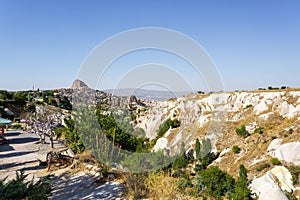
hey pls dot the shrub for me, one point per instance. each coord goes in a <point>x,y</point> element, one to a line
<point>242,131</point>
<point>259,130</point>
<point>275,161</point>
<point>236,149</point>
<point>20,97</point>
<point>73,139</point>
<point>248,106</point>
<point>262,167</point>
<point>203,152</point>
<point>15,126</point>
<point>295,171</point>
<point>135,186</point>
<point>30,108</point>
<point>181,162</point>
<point>216,182</point>
<point>164,127</point>
<point>241,190</point>
<point>19,188</point>
<point>283,87</point>
<point>290,195</point>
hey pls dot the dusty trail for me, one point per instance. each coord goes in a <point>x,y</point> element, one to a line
<point>23,153</point>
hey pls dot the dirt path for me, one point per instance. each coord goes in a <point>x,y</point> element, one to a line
<point>23,153</point>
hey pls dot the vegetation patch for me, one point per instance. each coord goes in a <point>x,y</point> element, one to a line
<point>236,149</point>
<point>262,167</point>
<point>241,131</point>
<point>19,188</point>
<point>295,171</point>
<point>275,161</point>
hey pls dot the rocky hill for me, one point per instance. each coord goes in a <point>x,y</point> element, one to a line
<point>272,122</point>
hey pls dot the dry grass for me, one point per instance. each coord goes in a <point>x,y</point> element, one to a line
<point>135,186</point>
<point>162,186</point>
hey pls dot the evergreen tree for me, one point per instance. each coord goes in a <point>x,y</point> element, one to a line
<point>241,190</point>
<point>197,149</point>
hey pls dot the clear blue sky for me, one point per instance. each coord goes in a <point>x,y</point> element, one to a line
<point>253,43</point>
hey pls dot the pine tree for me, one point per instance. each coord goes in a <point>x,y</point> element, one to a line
<point>197,149</point>
<point>241,190</point>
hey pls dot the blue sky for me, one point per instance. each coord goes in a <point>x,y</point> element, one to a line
<point>253,43</point>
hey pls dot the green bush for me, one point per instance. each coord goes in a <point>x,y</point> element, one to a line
<point>275,161</point>
<point>30,108</point>
<point>19,188</point>
<point>236,149</point>
<point>248,106</point>
<point>73,139</point>
<point>15,126</point>
<point>259,130</point>
<point>182,161</point>
<point>262,167</point>
<point>215,182</point>
<point>164,127</point>
<point>241,190</point>
<point>20,97</point>
<point>242,131</point>
<point>295,171</point>
<point>65,103</point>
<point>290,195</point>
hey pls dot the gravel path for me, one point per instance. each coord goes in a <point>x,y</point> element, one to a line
<point>23,152</point>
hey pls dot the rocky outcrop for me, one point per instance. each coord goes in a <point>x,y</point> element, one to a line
<point>287,152</point>
<point>213,110</point>
<point>266,188</point>
<point>78,84</point>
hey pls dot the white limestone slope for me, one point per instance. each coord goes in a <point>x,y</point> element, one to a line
<point>201,110</point>
<point>287,152</point>
<point>266,188</point>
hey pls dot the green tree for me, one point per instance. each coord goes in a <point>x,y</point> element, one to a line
<point>65,103</point>
<point>215,182</point>
<point>73,139</point>
<point>243,174</point>
<point>182,161</point>
<point>241,190</point>
<point>205,152</point>
<point>197,149</point>
<point>20,97</point>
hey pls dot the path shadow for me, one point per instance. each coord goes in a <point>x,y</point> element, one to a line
<point>14,164</point>
<point>14,154</point>
<point>22,140</point>
<point>6,147</point>
<point>84,187</point>
<point>37,167</point>
<point>11,134</point>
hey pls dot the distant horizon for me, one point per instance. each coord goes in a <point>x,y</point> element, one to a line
<point>159,90</point>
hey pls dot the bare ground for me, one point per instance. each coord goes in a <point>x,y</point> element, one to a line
<point>23,152</point>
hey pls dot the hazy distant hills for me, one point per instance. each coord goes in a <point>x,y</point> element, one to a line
<point>157,95</point>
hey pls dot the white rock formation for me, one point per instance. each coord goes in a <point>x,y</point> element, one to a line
<point>160,144</point>
<point>275,144</point>
<point>266,188</point>
<point>286,152</point>
<point>284,177</point>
